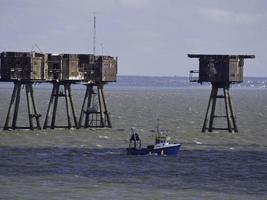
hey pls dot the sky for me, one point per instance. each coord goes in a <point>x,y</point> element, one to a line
<point>149,37</point>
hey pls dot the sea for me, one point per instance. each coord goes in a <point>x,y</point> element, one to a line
<point>91,163</point>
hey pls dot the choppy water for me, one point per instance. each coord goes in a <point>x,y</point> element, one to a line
<point>81,173</point>
<point>91,163</point>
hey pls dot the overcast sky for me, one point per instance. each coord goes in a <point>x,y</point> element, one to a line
<point>150,37</point>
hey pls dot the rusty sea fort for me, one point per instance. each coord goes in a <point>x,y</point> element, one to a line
<point>91,163</point>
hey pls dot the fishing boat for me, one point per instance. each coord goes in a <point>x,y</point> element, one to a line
<point>162,145</point>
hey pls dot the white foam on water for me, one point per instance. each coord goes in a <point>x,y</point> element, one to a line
<point>103,137</point>
<point>196,141</point>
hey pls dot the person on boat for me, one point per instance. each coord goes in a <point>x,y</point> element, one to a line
<point>135,138</point>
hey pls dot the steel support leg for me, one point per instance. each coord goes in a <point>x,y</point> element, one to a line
<point>94,110</point>
<point>106,113</point>
<point>67,106</point>
<point>36,115</point>
<point>100,100</point>
<point>83,110</point>
<point>31,107</point>
<point>16,109</point>
<point>227,110</point>
<point>49,109</point>
<point>204,127</point>
<point>231,114</point>
<point>87,109</point>
<point>210,113</point>
<point>54,112</point>
<point>72,106</point>
<point>53,106</point>
<point>213,107</point>
<point>13,98</point>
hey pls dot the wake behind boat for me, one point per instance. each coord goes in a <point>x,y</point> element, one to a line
<point>162,145</point>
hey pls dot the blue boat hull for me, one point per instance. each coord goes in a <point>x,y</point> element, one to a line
<point>170,151</point>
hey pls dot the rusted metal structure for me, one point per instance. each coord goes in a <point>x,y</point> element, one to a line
<point>62,70</point>
<point>64,67</point>
<point>24,66</point>
<point>221,71</point>
<point>94,111</point>
<point>23,69</point>
<point>87,65</point>
<point>93,72</point>
<point>106,69</point>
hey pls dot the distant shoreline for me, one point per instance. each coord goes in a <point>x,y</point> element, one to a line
<point>126,81</point>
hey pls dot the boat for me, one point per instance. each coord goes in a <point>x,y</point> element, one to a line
<point>162,145</point>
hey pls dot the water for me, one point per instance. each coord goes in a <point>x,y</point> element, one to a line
<point>91,163</point>
<point>80,173</point>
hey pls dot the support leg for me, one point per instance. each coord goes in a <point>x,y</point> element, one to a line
<point>15,116</point>
<point>94,117</point>
<point>55,106</point>
<point>27,87</point>
<point>213,107</point>
<point>100,106</point>
<point>105,108</point>
<point>227,110</point>
<point>67,105</point>
<point>49,109</point>
<point>232,112</point>
<point>210,113</point>
<point>31,107</point>
<point>13,97</point>
<point>83,110</point>
<point>204,127</point>
<point>89,103</point>
<point>72,107</point>
<point>36,114</point>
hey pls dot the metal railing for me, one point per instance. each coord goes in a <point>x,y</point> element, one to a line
<point>193,75</point>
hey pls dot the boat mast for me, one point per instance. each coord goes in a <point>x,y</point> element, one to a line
<point>94,35</point>
<point>158,125</point>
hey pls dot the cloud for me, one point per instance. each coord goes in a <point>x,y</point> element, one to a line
<point>150,37</point>
<point>133,4</point>
<point>229,17</point>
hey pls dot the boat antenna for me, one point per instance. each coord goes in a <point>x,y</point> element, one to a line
<point>158,125</point>
<point>94,36</point>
